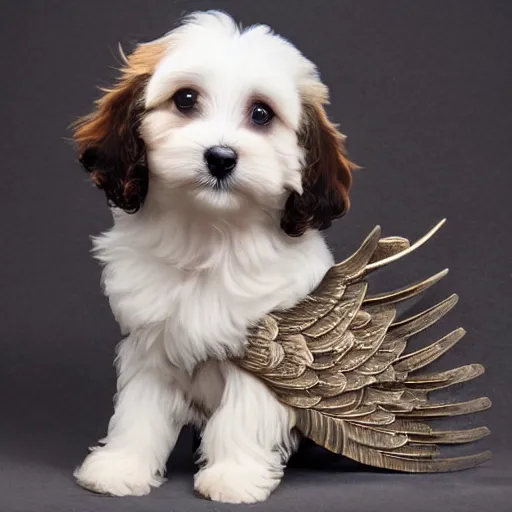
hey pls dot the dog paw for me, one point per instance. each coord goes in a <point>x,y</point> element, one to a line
<point>235,483</point>
<point>116,473</point>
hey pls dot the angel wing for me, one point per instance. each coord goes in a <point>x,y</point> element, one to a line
<point>337,358</point>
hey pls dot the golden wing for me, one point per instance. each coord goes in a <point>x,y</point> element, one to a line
<point>338,359</point>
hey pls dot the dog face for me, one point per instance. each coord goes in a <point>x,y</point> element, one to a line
<point>221,120</point>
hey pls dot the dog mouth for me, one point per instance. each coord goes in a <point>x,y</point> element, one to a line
<point>221,186</point>
<point>210,182</point>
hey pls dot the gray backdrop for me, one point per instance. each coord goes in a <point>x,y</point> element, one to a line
<point>423,90</point>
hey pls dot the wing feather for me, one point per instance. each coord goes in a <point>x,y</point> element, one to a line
<point>405,293</point>
<point>341,315</point>
<point>441,380</point>
<point>339,341</point>
<point>425,356</point>
<point>357,380</point>
<point>413,325</point>
<point>374,436</point>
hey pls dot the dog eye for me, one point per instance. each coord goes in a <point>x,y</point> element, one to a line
<point>261,114</point>
<point>185,99</point>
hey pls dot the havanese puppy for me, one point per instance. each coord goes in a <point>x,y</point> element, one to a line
<point>222,169</point>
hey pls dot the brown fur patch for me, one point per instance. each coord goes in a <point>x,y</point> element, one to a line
<point>108,139</point>
<point>327,176</point>
<point>141,63</point>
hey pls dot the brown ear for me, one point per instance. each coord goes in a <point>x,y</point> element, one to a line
<point>109,144</point>
<point>327,176</point>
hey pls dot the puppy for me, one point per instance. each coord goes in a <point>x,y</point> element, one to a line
<point>221,168</point>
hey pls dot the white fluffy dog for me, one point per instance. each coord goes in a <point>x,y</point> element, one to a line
<point>221,168</point>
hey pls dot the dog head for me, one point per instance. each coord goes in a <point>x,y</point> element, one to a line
<point>221,120</point>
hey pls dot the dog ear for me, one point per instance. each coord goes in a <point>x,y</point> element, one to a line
<point>109,144</point>
<point>110,147</point>
<point>326,179</point>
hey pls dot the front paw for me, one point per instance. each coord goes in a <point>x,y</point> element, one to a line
<point>116,473</point>
<point>236,483</point>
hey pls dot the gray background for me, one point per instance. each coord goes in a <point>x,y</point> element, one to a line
<point>423,90</point>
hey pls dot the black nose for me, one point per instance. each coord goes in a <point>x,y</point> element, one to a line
<point>221,161</point>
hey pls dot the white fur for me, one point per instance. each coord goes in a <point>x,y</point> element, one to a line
<point>195,267</point>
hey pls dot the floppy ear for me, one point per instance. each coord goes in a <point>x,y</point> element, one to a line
<point>326,179</point>
<point>109,144</point>
<point>110,147</point>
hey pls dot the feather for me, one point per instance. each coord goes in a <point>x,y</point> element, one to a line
<point>387,397</point>
<point>345,400</point>
<point>396,256</point>
<point>405,293</point>
<point>355,411</point>
<point>300,398</point>
<point>351,268</point>
<point>412,450</point>
<point>441,380</point>
<point>427,355</point>
<point>357,380</point>
<point>451,409</point>
<point>415,324</point>
<point>389,246</point>
<point>297,323</point>
<point>379,363</point>
<point>450,436</point>
<point>362,319</point>
<point>329,387</point>
<point>375,417</point>
<point>410,426</point>
<point>290,377</point>
<point>367,340</point>
<point>371,336</point>
<point>323,430</point>
<point>413,463</point>
<point>375,437</point>
<point>342,314</point>
<point>339,340</point>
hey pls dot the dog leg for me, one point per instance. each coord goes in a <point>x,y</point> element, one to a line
<point>149,414</point>
<point>246,442</point>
